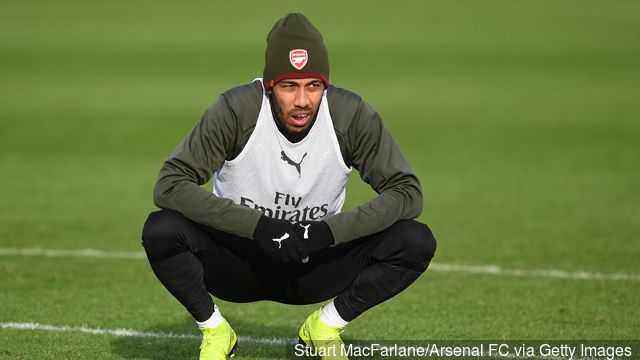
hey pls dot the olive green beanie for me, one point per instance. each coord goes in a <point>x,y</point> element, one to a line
<point>295,51</point>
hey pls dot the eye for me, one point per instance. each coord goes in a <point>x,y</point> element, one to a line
<point>285,87</point>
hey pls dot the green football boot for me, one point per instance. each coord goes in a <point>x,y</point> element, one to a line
<point>321,338</point>
<point>218,343</point>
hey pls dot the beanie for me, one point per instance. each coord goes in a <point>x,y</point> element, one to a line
<point>295,51</point>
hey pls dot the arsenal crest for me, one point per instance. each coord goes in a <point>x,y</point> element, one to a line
<point>298,58</point>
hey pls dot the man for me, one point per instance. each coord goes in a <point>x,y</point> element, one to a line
<point>281,149</point>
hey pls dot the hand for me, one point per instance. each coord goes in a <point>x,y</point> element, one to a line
<point>276,239</point>
<point>316,235</point>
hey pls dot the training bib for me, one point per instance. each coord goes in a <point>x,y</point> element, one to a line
<point>303,181</point>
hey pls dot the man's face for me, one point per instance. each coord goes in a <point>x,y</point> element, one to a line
<point>297,101</point>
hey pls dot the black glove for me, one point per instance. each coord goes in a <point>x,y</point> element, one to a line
<point>316,235</point>
<point>277,239</point>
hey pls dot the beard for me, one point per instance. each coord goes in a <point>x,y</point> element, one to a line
<point>281,117</point>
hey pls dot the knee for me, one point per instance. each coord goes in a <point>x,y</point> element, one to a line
<point>417,244</point>
<point>161,234</point>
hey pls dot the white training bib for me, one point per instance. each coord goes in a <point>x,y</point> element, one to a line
<point>303,181</point>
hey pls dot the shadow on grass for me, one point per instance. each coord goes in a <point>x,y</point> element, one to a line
<point>130,347</point>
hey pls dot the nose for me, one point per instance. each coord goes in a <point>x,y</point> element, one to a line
<point>302,98</point>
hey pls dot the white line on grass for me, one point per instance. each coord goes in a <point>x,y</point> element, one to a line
<point>470,269</point>
<point>547,273</point>
<point>130,333</point>
<point>164,335</point>
<point>73,253</point>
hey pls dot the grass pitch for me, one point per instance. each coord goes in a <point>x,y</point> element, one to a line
<point>520,118</point>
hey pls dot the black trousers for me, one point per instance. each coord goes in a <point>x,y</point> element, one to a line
<point>192,260</point>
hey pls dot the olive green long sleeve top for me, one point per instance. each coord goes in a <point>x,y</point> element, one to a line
<point>365,144</point>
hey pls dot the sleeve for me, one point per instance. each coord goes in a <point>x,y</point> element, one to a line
<point>377,157</point>
<point>192,163</point>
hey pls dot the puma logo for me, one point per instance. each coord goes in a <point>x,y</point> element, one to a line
<point>306,230</point>
<point>279,240</point>
<point>293,163</point>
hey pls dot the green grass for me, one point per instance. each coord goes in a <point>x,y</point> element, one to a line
<point>520,118</point>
